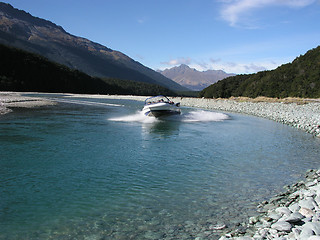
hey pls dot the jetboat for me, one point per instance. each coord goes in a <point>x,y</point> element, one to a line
<point>159,106</point>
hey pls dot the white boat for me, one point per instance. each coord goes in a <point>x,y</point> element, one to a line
<point>159,106</point>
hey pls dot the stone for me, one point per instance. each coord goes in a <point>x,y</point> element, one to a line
<point>314,238</point>
<point>308,203</point>
<point>243,238</point>
<point>294,207</point>
<point>310,229</point>
<point>294,217</point>
<point>283,210</point>
<point>274,216</point>
<point>223,238</point>
<point>282,226</point>
<point>317,199</point>
<point>253,220</point>
<point>306,212</point>
<point>217,227</point>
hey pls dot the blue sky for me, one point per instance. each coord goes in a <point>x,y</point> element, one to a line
<point>237,36</point>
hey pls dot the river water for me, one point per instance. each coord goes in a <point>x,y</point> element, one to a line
<point>98,169</point>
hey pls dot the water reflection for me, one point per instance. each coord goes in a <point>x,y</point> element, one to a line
<point>163,128</point>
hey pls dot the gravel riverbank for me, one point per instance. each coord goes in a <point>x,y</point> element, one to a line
<point>304,115</point>
<point>10,100</point>
<point>294,214</point>
<point>300,113</point>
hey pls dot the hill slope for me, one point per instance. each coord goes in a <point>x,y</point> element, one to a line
<point>22,30</point>
<point>301,78</point>
<point>193,79</point>
<point>23,71</point>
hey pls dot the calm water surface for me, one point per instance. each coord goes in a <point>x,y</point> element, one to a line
<point>88,169</point>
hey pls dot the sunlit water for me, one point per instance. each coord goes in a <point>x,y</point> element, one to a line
<point>99,169</point>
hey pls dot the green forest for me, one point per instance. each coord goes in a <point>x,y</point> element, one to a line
<point>301,78</point>
<point>27,72</point>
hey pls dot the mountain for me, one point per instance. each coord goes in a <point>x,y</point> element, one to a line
<point>193,79</point>
<point>20,29</point>
<point>29,72</point>
<point>301,78</point>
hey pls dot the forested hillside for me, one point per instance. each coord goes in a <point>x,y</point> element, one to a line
<point>301,78</point>
<point>24,71</point>
<point>22,30</point>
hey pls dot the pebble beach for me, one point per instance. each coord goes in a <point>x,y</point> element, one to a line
<point>10,100</point>
<point>301,114</point>
<point>293,214</point>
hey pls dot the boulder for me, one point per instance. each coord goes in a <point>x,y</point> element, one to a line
<point>310,229</point>
<point>282,226</point>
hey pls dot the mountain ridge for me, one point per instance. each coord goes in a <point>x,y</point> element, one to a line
<point>192,78</point>
<point>22,30</point>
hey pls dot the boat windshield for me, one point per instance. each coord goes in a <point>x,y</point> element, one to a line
<point>157,99</point>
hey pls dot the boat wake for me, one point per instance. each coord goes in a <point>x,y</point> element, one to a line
<point>193,116</point>
<point>204,116</point>
<point>89,103</point>
<point>137,117</point>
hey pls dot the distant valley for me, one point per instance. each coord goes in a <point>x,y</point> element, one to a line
<point>193,79</point>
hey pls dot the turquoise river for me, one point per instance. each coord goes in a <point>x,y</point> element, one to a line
<point>98,169</point>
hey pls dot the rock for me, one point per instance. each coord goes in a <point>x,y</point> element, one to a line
<point>223,238</point>
<point>274,216</point>
<point>253,220</point>
<point>243,238</point>
<point>217,227</point>
<point>294,207</point>
<point>314,238</point>
<point>283,210</point>
<point>310,184</point>
<point>317,199</point>
<point>306,212</point>
<point>282,226</point>
<point>294,217</point>
<point>310,229</point>
<point>308,203</point>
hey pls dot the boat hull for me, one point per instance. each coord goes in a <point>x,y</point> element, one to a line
<point>161,113</point>
<point>160,106</point>
<point>160,110</point>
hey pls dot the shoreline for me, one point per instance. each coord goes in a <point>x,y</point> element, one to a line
<point>10,100</point>
<point>303,114</point>
<point>293,214</point>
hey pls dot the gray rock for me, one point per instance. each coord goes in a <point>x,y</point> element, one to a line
<point>314,238</point>
<point>274,216</point>
<point>308,203</point>
<point>294,217</point>
<point>282,226</point>
<point>310,184</point>
<point>310,229</point>
<point>294,207</point>
<point>253,220</point>
<point>317,199</point>
<point>283,210</point>
<point>306,212</point>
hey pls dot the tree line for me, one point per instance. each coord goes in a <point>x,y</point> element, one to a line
<point>301,78</point>
<point>28,72</point>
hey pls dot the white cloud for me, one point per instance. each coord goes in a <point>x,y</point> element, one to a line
<point>246,68</point>
<point>178,61</point>
<point>240,67</point>
<point>234,10</point>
